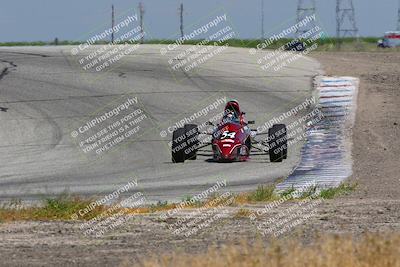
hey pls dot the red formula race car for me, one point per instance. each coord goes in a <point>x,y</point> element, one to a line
<point>231,139</point>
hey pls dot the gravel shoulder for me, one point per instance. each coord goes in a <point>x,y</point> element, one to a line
<point>375,206</point>
<point>377,131</point>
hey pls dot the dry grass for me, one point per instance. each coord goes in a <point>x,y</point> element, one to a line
<point>342,189</point>
<point>60,208</point>
<point>65,207</point>
<point>371,250</point>
<point>243,213</point>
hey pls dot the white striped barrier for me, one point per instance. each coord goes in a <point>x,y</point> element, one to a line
<point>326,155</point>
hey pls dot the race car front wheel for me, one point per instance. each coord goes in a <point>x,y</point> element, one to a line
<point>277,142</point>
<point>184,143</point>
<point>178,145</point>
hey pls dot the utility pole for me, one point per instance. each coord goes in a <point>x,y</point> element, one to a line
<point>398,17</point>
<point>112,24</point>
<point>345,21</point>
<point>305,8</point>
<point>262,20</point>
<point>181,19</point>
<point>141,12</point>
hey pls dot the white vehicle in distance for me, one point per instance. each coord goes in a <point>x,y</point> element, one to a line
<point>391,39</point>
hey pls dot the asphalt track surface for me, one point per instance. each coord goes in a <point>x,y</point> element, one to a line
<point>45,94</point>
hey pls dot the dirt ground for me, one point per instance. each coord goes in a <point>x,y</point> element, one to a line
<point>375,206</point>
<point>377,130</point>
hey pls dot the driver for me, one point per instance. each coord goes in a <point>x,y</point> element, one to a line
<point>230,115</point>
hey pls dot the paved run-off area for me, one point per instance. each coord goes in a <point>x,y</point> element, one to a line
<point>46,94</point>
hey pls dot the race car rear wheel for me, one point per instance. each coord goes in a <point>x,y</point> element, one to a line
<point>277,142</point>
<point>178,145</point>
<point>192,141</point>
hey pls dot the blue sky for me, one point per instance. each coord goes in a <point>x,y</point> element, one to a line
<point>32,20</point>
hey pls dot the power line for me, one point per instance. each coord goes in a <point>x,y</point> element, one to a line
<point>398,17</point>
<point>112,24</point>
<point>141,13</point>
<point>305,8</point>
<point>181,19</point>
<point>345,21</point>
<point>262,20</point>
